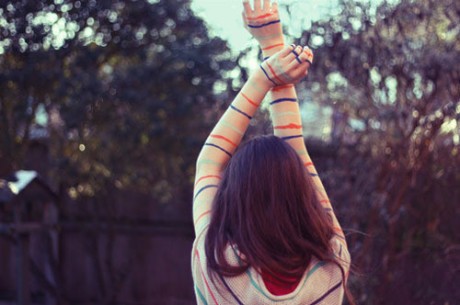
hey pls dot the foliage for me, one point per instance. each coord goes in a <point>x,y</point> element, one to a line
<point>123,84</point>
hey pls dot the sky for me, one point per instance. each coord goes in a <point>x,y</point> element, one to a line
<point>223,17</point>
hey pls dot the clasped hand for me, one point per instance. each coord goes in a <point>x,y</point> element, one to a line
<point>288,66</point>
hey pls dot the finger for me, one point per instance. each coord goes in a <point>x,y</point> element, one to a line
<point>308,54</point>
<point>295,52</point>
<point>304,56</point>
<point>274,7</point>
<point>285,51</point>
<point>245,19</point>
<point>298,72</point>
<point>298,64</point>
<point>247,7</point>
<point>266,5</point>
<point>304,66</point>
<point>257,5</point>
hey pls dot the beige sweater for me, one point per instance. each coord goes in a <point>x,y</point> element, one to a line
<point>320,284</point>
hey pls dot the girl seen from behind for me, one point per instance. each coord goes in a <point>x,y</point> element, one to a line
<point>266,232</point>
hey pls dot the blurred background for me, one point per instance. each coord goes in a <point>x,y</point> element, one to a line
<point>104,106</point>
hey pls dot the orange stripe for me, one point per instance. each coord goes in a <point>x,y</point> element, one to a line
<point>249,100</point>
<point>308,163</point>
<point>273,46</point>
<point>208,176</point>
<point>337,229</point>
<point>309,54</point>
<point>323,197</point>
<point>223,138</point>
<point>202,215</point>
<point>342,235</point>
<point>279,88</point>
<point>274,74</point>
<point>204,278</point>
<point>289,126</point>
<point>259,17</point>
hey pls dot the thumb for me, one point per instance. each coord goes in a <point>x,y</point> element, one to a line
<point>245,20</point>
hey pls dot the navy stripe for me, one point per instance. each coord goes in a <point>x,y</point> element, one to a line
<point>218,147</point>
<point>262,25</point>
<point>291,137</point>
<point>280,100</point>
<point>228,288</point>
<point>265,72</point>
<point>327,293</point>
<point>243,113</point>
<point>296,56</point>
<point>265,58</point>
<point>313,175</point>
<point>203,188</point>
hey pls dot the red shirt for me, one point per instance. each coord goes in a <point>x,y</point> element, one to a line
<point>280,285</point>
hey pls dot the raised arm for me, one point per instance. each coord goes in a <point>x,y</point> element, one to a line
<point>228,132</point>
<point>264,24</point>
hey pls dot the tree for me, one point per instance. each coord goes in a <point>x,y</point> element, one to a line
<point>119,82</point>
<point>392,79</point>
<point>119,88</point>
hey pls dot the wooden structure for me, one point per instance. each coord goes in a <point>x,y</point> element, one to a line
<point>27,205</point>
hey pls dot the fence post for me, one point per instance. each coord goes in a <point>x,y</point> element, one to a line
<point>23,283</point>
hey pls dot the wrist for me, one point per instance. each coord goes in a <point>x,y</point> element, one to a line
<point>271,52</point>
<point>259,79</point>
<point>271,47</point>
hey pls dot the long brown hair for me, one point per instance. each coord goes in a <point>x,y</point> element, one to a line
<point>267,207</point>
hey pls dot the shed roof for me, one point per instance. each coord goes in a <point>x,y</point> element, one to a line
<point>16,183</point>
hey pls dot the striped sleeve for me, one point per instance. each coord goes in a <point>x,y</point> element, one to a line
<point>220,146</point>
<point>287,124</point>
